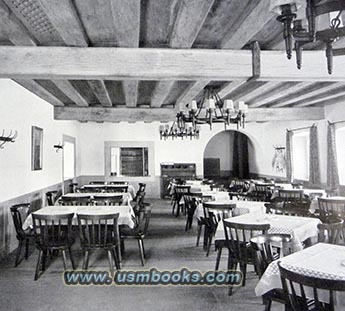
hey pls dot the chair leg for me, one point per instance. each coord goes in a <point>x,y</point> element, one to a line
<point>141,251</point>
<point>64,259</point>
<point>116,259</point>
<point>71,257</point>
<point>199,234</point>
<point>44,259</point>
<point>26,249</point>
<point>243,267</point>
<point>143,246</point>
<point>111,266</point>
<point>219,255</point>
<point>38,265</point>
<point>267,302</point>
<point>122,246</point>
<point>231,266</point>
<point>209,243</point>
<point>86,260</point>
<point>19,250</point>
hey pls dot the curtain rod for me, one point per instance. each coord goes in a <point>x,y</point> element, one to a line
<point>302,128</point>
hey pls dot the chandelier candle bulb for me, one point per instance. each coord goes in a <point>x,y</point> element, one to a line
<point>193,105</point>
<point>241,106</point>
<point>180,107</point>
<point>228,104</point>
<point>211,103</point>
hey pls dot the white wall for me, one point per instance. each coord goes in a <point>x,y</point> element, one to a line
<point>19,110</point>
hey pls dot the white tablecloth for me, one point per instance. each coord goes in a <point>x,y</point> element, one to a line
<point>125,212</point>
<point>321,260</point>
<point>242,207</point>
<point>301,228</point>
<point>126,197</point>
<point>131,189</point>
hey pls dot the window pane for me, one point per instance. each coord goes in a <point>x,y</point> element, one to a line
<point>114,161</point>
<point>340,138</point>
<point>300,147</point>
<point>69,160</point>
<point>134,161</point>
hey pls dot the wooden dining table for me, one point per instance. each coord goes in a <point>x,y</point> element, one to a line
<point>321,260</point>
<point>301,228</point>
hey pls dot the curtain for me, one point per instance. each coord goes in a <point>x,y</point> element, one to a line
<point>289,174</point>
<point>332,165</point>
<point>314,162</point>
<point>240,156</point>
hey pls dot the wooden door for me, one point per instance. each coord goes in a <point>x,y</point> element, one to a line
<point>211,168</point>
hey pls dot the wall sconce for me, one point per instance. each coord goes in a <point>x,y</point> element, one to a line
<point>58,147</point>
<point>9,138</point>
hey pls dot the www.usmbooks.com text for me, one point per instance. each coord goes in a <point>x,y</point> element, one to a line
<point>153,277</point>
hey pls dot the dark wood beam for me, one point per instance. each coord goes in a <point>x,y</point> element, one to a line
<point>100,90</point>
<point>130,89</point>
<point>97,114</point>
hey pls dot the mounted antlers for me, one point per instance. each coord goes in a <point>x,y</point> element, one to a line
<point>5,139</point>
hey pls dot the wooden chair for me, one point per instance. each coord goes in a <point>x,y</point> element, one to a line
<point>304,290</point>
<point>274,208</point>
<point>262,192</point>
<point>191,203</point>
<point>19,213</point>
<point>331,207</point>
<point>51,197</point>
<point>81,200</point>
<point>270,247</point>
<point>213,215</point>
<point>180,190</point>
<point>237,238</point>
<point>99,232</point>
<point>330,230</point>
<point>201,221</point>
<point>139,232</point>
<point>53,233</point>
<point>107,200</point>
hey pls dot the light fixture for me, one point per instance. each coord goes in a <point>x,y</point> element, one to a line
<point>10,138</point>
<point>212,109</point>
<point>179,129</point>
<point>294,26</point>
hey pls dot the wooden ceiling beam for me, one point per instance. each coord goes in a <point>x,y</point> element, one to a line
<point>16,31</point>
<point>192,91</point>
<point>260,90</point>
<point>330,97</point>
<point>280,94</point>
<point>97,114</point>
<point>254,21</point>
<point>161,92</point>
<point>130,89</point>
<point>189,20</point>
<point>229,87</point>
<point>123,63</point>
<point>323,89</point>
<point>64,17</point>
<point>67,88</point>
<point>126,19</point>
<point>40,91</point>
<point>100,90</point>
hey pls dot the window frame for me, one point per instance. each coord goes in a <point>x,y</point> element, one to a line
<point>340,128</point>
<point>72,140</point>
<point>302,133</point>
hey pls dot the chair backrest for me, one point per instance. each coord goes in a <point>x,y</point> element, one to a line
<point>118,182</point>
<point>142,187</point>
<point>262,192</point>
<point>270,247</point>
<point>53,231</point>
<point>19,213</point>
<point>98,231</point>
<point>116,188</point>
<point>330,230</point>
<point>301,288</point>
<point>290,209</point>
<point>143,220</point>
<point>291,194</point>
<point>331,207</point>
<point>97,182</point>
<point>107,200</point>
<point>238,236</point>
<point>80,200</point>
<point>297,185</point>
<point>51,197</point>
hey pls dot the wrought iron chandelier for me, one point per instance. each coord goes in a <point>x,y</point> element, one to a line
<point>295,29</point>
<point>210,109</point>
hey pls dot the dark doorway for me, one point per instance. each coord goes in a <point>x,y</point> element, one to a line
<point>212,168</point>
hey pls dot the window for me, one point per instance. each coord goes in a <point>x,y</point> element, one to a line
<point>339,140</point>
<point>129,161</point>
<point>300,157</point>
<point>68,157</point>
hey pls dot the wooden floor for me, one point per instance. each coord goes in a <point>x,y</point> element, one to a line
<point>168,247</point>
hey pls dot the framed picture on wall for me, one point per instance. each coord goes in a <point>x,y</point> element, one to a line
<point>36,148</point>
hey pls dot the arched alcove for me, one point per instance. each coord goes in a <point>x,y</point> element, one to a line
<point>228,155</point>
